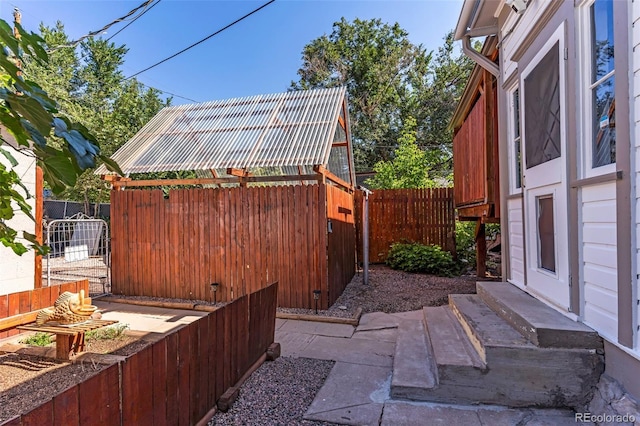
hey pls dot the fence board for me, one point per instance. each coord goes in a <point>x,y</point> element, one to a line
<point>242,238</point>
<point>425,215</point>
<point>65,408</point>
<point>184,364</point>
<point>159,390</point>
<point>42,415</point>
<point>99,398</point>
<point>172,377</point>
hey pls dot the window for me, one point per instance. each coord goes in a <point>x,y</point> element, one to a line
<point>602,84</point>
<point>517,157</point>
<point>546,234</point>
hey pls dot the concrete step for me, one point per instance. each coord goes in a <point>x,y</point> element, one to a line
<point>540,324</point>
<point>477,358</point>
<point>450,345</point>
<point>484,328</point>
<point>413,366</point>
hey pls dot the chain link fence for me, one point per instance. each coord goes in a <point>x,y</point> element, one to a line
<point>79,249</point>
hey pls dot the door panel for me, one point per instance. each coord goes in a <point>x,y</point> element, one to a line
<point>545,171</point>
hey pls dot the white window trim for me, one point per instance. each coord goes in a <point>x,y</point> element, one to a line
<point>584,92</point>
<point>510,138</point>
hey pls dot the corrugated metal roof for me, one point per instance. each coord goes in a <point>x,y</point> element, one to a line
<point>281,131</point>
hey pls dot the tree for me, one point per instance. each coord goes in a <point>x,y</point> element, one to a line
<point>388,79</point>
<point>30,117</point>
<point>408,169</point>
<point>95,93</point>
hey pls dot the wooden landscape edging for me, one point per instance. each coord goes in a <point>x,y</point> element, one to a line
<point>176,380</point>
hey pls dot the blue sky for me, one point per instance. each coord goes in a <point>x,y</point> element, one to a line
<point>259,55</point>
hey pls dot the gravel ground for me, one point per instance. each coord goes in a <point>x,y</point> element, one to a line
<point>277,393</point>
<point>393,291</point>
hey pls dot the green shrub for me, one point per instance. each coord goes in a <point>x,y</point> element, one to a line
<point>466,241</point>
<point>106,333</point>
<point>415,257</point>
<point>38,339</point>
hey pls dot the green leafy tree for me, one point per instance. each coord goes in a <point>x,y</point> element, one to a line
<point>31,123</point>
<point>408,169</point>
<point>90,88</point>
<point>389,79</point>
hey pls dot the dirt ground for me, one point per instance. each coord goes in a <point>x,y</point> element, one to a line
<point>27,381</point>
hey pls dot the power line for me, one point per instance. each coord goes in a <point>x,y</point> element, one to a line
<point>134,19</point>
<point>169,93</point>
<point>103,29</point>
<point>203,40</point>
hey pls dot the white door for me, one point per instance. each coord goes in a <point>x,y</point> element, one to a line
<point>545,170</point>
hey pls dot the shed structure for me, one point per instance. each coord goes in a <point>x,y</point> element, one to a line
<point>272,200</point>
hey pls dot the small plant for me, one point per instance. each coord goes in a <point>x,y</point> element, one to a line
<point>38,339</point>
<point>107,333</point>
<point>415,257</point>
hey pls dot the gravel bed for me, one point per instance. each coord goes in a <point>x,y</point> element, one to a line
<point>166,300</point>
<point>277,393</point>
<point>31,380</point>
<point>392,291</point>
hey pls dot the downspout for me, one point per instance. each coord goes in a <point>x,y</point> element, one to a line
<point>365,235</point>
<point>479,58</point>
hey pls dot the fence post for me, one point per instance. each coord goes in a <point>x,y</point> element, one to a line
<point>365,236</point>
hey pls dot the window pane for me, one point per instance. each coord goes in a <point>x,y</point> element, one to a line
<point>546,240</point>
<point>516,139</point>
<point>542,110</point>
<point>601,38</point>
<point>518,160</point>
<point>604,117</point>
<point>516,113</point>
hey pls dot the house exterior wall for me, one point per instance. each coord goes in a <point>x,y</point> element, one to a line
<point>599,258</point>
<point>635,134</point>
<point>516,242</point>
<point>17,272</point>
<point>598,204</point>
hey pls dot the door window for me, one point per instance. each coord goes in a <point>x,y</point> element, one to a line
<point>546,234</point>
<point>542,110</point>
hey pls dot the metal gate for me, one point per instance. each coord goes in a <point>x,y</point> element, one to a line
<point>79,249</point>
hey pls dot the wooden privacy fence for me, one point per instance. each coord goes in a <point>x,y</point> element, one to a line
<point>174,381</point>
<point>28,301</point>
<point>425,216</point>
<point>241,238</point>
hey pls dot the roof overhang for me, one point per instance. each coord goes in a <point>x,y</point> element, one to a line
<point>478,18</point>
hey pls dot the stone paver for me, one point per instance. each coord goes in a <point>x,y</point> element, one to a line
<point>352,394</point>
<point>377,321</point>
<point>317,328</point>
<point>357,351</point>
<point>409,414</point>
<point>382,335</point>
